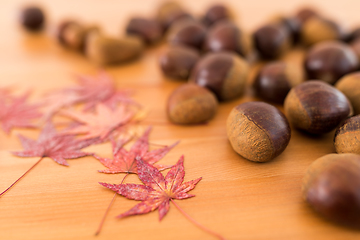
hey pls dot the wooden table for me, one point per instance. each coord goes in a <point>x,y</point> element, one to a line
<point>237,198</point>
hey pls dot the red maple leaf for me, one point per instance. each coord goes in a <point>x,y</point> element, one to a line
<point>92,90</point>
<point>16,112</point>
<point>99,124</point>
<point>157,191</point>
<point>51,144</point>
<point>124,161</point>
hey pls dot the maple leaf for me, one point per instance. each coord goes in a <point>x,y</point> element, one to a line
<point>124,161</point>
<point>92,90</point>
<point>51,144</point>
<point>16,112</point>
<point>99,124</point>
<point>157,191</point>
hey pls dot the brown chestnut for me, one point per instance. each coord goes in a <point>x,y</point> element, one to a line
<point>317,29</point>
<point>355,46</point>
<point>275,79</point>
<point>71,34</point>
<point>331,187</point>
<point>187,33</point>
<point>177,62</point>
<point>170,12</point>
<point>32,18</point>
<point>226,36</point>
<point>191,104</point>
<point>104,50</point>
<point>329,61</point>
<point>292,24</point>
<point>224,73</point>
<point>316,107</point>
<point>350,86</point>
<point>347,136</point>
<point>353,35</point>
<point>305,14</point>
<point>147,29</point>
<point>215,14</point>
<point>258,131</point>
<point>272,40</point>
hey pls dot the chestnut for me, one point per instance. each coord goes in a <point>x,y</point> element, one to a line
<point>317,29</point>
<point>305,14</point>
<point>272,40</point>
<point>275,79</point>
<point>147,29</point>
<point>316,107</point>
<point>355,46</point>
<point>177,62</point>
<point>226,36</point>
<point>258,131</point>
<point>224,73</point>
<point>104,50</point>
<point>187,33</point>
<point>191,104</point>
<point>331,187</point>
<point>329,61</point>
<point>292,24</point>
<point>353,35</point>
<point>73,34</point>
<point>350,86</point>
<point>32,18</point>
<point>170,12</point>
<point>346,138</point>
<point>215,14</point>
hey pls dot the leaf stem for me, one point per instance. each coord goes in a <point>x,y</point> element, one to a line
<point>107,210</point>
<point>197,223</point>
<point>1,194</point>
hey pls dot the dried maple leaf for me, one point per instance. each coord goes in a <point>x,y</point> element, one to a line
<point>16,112</point>
<point>124,161</point>
<point>99,124</point>
<point>91,91</point>
<point>157,191</point>
<point>51,144</point>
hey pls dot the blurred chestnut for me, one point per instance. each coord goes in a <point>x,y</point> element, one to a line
<point>258,131</point>
<point>187,33</point>
<point>169,12</point>
<point>316,107</point>
<point>191,104</point>
<point>353,35</point>
<point>350,86</point>
<point>305,14</point>
<point>346,138</point>
<point>215,14</point>
<point>292,24</point>
<point>32,18</point>
<point>275,79</point>
<point>147,29</point>
<point>224,73</point>
<point>316,30</point>
<point>355,46</point>
<point>104,50</point>
<point>177,62</point>
<point>272,40</point>
<point>329,61</point>
<point>331,187</point>
<point>226,36</point>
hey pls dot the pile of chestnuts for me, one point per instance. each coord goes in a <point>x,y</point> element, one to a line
<point>214,55</point>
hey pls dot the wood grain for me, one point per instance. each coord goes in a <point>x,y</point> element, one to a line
<point>237,198</point>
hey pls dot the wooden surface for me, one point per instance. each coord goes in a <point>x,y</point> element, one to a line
<point>237,198</point>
